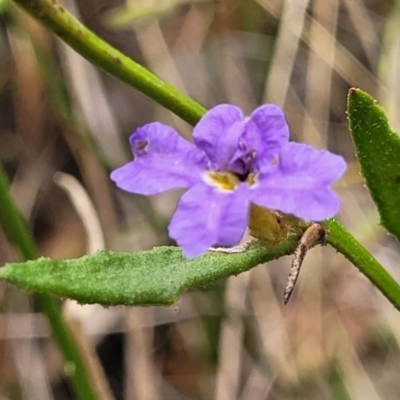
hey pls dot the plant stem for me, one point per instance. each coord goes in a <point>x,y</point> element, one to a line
<point>17,231</point>
<point>345,243</point>
<point>100,53</point>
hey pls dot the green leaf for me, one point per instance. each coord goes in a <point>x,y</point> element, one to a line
<point>378,151</point>
<point>155,277</point>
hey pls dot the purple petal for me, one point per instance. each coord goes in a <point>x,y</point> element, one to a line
<point>266,131</point>
<point>315,205</point>
<point>310,165</point>
<point>206,216</point>
<point>218,133</point>
<point>271,124</point>
<point>163,160</point>
<point>299,183</point>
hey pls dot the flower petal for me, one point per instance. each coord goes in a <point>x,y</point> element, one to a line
<point>316,205</point>
<point>271,124</point>
<point>267,131</point>
<point>163,160</point>
<point>206,216</point>
<point>305,162</point>
<point>299,183</point>
<point>218,133</point>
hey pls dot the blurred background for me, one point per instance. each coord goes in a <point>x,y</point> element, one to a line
<point>64,126</point>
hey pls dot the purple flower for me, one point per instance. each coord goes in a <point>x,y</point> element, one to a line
<point>235,161</point>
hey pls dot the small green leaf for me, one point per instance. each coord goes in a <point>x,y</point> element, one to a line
<point>378,151</point>
<point>154,277</point>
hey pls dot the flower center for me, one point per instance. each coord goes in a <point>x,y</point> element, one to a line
<point>229,180</point>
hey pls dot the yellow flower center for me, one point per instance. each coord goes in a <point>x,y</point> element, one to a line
<point>229,180</point>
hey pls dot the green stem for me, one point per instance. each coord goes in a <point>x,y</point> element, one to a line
<point>13,223</point>
<point>345,243</point>
<point>17,231</point>
<point>98,52</point>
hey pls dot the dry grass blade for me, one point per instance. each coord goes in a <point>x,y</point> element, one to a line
<point>29,361</point>
<point>258,386</point>
<point>160,61</point>
<point>85,208</point>
<point>287,43</point>
<point>142,378</point>
<point>389,66</point>
<point>231,339</point>
<point>72,311</point>
<point>319,75</point>
<point>365,27</point>
<point>345,64</point>
<point>356,380</point>
<point>275,338</point>
<point>89,92</point>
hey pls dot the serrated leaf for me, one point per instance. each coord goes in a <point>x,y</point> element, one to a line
<point>378,151</point>
<point>154,277</point>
